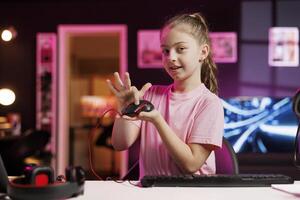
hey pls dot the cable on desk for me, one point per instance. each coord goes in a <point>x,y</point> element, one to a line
<point>90,141</point>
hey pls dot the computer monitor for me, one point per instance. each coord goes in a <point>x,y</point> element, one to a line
<point>260,124</point>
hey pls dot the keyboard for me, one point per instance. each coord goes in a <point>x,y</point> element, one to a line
<point>216,180</point>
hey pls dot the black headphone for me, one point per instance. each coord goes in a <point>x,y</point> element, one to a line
<point>38,184</point>
<point>296,109</point>
<point>296,103</point>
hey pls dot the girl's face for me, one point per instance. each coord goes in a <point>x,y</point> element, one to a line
<point>182,54</point>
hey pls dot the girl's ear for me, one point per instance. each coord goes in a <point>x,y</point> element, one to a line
<point>204,51</point>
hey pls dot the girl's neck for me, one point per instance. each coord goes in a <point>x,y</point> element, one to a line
<point>183,87</point>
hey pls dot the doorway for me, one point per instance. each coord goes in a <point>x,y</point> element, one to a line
<point>88,55</point>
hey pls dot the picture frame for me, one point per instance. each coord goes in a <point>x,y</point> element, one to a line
<point>224,47</point>
<point>284,47</point>
<point>149,51</point>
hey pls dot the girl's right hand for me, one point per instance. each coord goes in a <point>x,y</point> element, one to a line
<point>124,92</point>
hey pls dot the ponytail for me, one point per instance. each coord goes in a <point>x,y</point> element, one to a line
<point>209,73</point>
<point>209,68</point>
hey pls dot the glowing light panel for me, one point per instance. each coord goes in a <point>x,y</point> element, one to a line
<point>7,96</point>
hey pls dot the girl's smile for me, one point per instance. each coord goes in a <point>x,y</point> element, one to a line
<point>175,68</point>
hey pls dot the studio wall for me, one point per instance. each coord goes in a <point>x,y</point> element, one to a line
<point>249,76</point>
<point>17,59</point>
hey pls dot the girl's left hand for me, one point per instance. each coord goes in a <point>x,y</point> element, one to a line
<point>147,116</point>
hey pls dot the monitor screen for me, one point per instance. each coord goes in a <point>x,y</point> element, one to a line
<point>260,124</point>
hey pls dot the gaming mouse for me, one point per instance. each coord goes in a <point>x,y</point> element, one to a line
<point>133,110</point>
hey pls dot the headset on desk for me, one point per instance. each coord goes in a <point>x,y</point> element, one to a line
<point>38,183</point>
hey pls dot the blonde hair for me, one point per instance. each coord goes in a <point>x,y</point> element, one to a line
<point>200,31</point>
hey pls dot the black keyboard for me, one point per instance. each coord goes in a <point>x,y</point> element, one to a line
<point>216,180</point>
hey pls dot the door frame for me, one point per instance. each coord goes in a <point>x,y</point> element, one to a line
<point>65,32</point>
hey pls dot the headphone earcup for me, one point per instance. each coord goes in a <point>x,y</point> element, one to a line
<point>70,174</point>
<point>296,103</point>
<point>75,174</point>
<point>80,175</point>
<point>40,176</point>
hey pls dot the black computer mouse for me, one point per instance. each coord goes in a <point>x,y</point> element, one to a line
<point>133,110</point>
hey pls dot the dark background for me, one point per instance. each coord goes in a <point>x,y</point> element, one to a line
<point>250,76</point>
<point>17,59</point>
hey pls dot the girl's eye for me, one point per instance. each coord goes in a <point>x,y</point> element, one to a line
<point>181,49</point>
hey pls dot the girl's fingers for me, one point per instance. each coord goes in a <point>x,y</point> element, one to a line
<point>136,95</point>
<point>127,81</point>
<point>118,82</point>
<point>145,88</point>
<point>129,118</point>
<point>112,88</point>
<point>126,92</point>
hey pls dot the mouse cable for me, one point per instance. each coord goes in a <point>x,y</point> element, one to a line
<point>91,152</point>
<point>90,141</point>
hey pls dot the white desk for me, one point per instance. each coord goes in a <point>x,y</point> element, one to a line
<point>110,190</point>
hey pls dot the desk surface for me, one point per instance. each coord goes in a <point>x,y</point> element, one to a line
<point>110,190</point>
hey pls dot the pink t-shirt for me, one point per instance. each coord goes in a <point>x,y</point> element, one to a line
<point>195,117</point>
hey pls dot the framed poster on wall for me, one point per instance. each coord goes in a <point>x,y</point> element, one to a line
<point>224,46</point>
<point>149,51</point>
<point>284,47</point>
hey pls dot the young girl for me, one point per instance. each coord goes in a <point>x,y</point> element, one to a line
<point>180,134</point>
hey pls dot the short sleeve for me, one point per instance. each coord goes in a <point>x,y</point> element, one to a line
<point>208,126</point>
